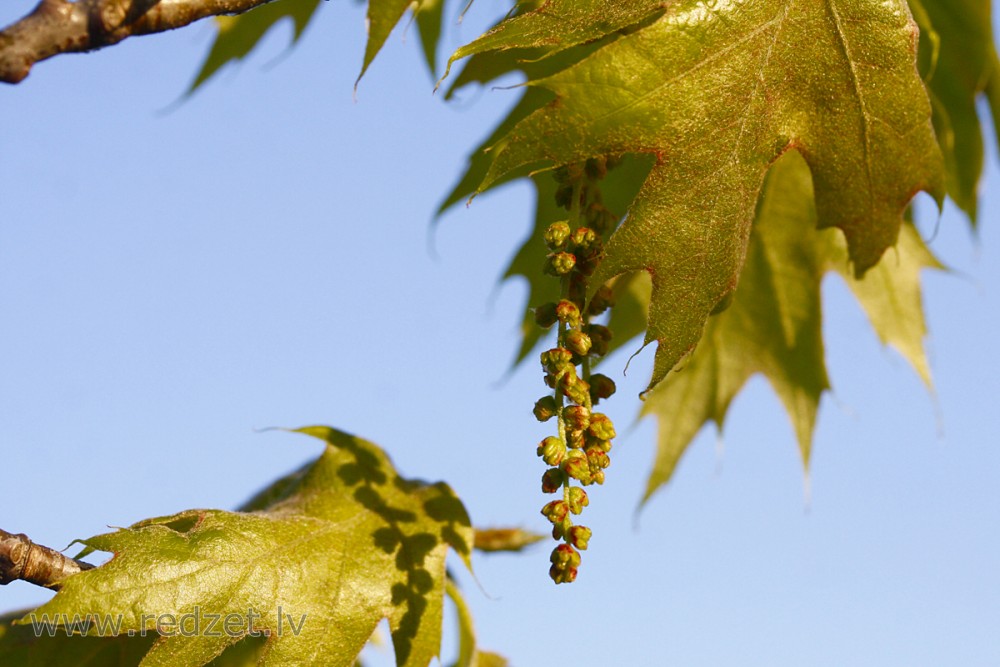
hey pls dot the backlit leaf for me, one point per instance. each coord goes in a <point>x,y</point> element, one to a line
<point>341,545</point>
<point>966,67</point>
<point>774,324</point>
<point>238,35</point>
<point>717,92</point>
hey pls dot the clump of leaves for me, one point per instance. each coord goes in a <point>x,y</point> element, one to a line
<point>706,96</point>
<point>311,567</point>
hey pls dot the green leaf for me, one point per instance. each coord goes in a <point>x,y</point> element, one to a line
<point>238,35</point>
<point>774,323</point>
<point>341,545</point>
<point>561,25</point>
<point>469,654</point>
<point>429,18</point>
<point>717,94</point>
<point>618,189</point>
<point>965,68</point>
<point>383,15</point>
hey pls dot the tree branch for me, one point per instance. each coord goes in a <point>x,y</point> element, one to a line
<point>62,26</point>
<point>22,559</point>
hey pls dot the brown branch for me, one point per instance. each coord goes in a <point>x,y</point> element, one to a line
<point>61,26</point>
<point>22,559</point>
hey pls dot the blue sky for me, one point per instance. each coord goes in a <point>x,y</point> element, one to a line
<point>172,280</point>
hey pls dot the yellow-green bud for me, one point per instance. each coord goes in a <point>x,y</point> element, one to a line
<point>576,390</point>
<point>601,427</point>
<point>568,313</point>
<point>579,536</point>
<point>563,575</point>
<point>556,235</point>
<point>545,408</point>
<point>578,342</point>
<point>556,360</point>
<point>597,458</point>
<point>555,511</point>
<point>577,499</point>
<point>545,315</point>
<point>591,441</point>
<point>559,263</point>
<point>552,450</point>
<point>565,555</point>
<point>577,466</point>
<point>577,417</point>
<point>576,439</point>
<point>583,239</point>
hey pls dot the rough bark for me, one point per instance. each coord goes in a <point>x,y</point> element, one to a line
<point>61,26</point>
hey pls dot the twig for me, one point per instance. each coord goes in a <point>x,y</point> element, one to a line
<point>22,559</point>
<point>61,26</point>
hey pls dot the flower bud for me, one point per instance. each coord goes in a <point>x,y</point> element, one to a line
<point>601,386</point>
<point>545,408</point>
<point>555,511</point>
<point>562,575</point>
<point>557,359</point>
<point>598,477</point>
<point>556,235</point>
<point>577,465</point>
<point>576,439</point>
<point>583,239</point>
<point>591,441</point>
<point>579,536</point>
<point>565,555</point>
<point>601,427</point>
<point>559,263</point>
<point>568,313</point>
<point>576,390</point>
<point>597,459</point>
<point>545,315</point>
<point>553,480</point>
<point>577,499</point>
<point>603,299</point>
<point>552,450</point>
<point>565,561</point>
<point>576,417</point>
<point>578,342</point>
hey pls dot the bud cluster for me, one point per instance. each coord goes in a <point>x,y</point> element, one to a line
<point>578,455</point>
